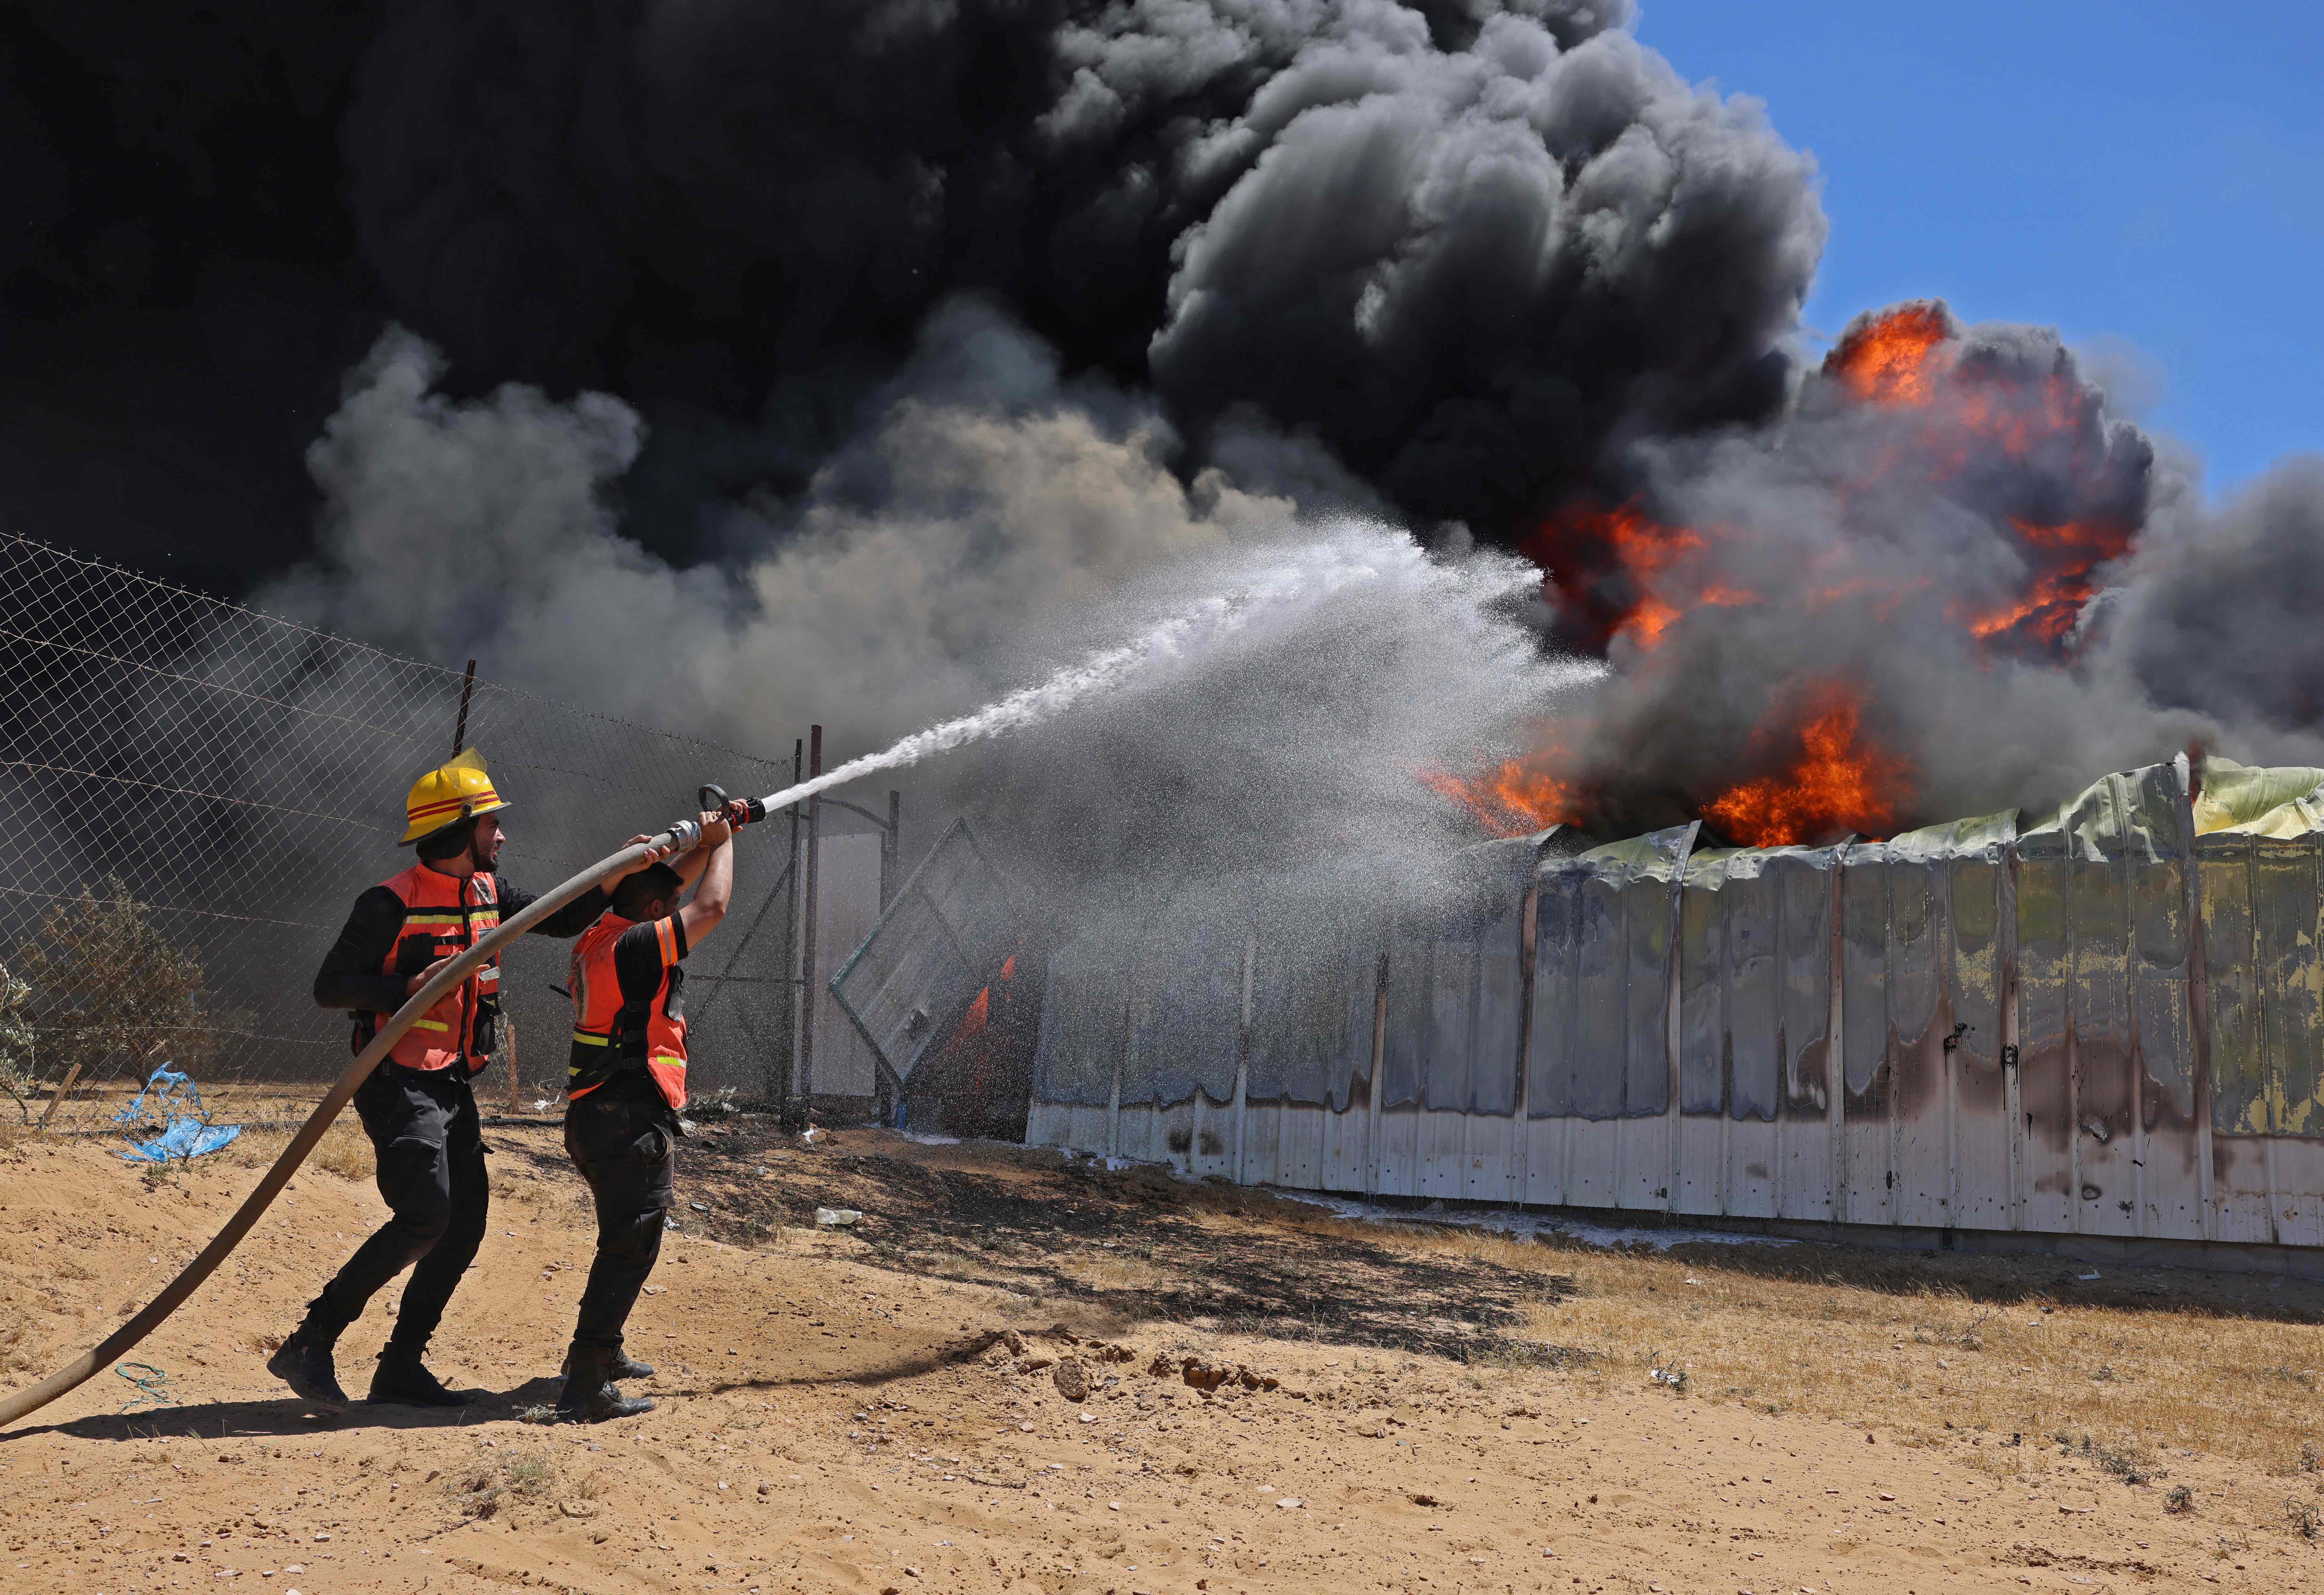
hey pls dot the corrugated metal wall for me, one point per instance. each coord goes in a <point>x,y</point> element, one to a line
<point>2106,1022</point>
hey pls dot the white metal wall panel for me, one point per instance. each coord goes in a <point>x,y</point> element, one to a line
<point>1454,1027</point>
<point>2168,1191</point>
<point>1806,1054</point>
<point>1983,1111</point>
<point>2258,871</point>
<point>1960,1028</point>
<point>2238,872</point>
<point>1602,1047</point>
<point>1868,1162</point>
<point>1706,1039</point>
<point>2105,1096</point>
<point>2107,1101</point>
<point>1049,1124</point>
<point>1077,1055</point>
<point>1919,1103</point>
<point>1315,962</point>
<point>2048,1186</point>
<point>1743,1031</point>
<point>1187,1012</point>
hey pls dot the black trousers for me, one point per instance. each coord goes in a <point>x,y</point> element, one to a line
<point>620,1136</point>
<point>424,1128</point>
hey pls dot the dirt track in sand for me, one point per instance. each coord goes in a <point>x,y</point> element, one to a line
<point>832,1418</point>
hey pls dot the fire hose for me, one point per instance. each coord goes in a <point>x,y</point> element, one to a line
<point>681,837</point>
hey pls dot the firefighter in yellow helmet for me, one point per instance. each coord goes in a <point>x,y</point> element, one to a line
<point>417,1107</point>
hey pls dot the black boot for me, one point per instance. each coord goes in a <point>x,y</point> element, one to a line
<point>403,1380</point>
<point>304,1363</point>
<point>590,1396</point>
<point>625,1366</point>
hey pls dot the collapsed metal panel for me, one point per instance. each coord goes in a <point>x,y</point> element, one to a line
<point>939,943</point>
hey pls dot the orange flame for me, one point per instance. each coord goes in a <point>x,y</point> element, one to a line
<point>2066,556</point>
<point>1837,782</point>
<point>1892,360</point>
<point>1625,576</point>
<point>980,1011</point>
<point>1512,801</point>
<point>1982,434</point>
<point>974,1019</point>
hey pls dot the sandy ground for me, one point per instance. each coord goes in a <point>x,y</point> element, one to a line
<point>1400,1410</point>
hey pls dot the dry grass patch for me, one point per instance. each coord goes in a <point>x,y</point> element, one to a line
<point>2113,1389</point>
<point>344,1150</point>
<point>1110,1271</point>
<point>489,1485</point>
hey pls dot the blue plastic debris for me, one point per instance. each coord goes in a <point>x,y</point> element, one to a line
<point>153,1386</point>
<point>185,1138</point>
<point>184,1133</point>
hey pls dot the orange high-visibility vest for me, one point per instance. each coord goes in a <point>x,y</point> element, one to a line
<point>449,913</point>
<point>613,1030</point>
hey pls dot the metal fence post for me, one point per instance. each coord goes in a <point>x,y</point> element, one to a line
<point>460,728</point>
<point>783,1091</point>
<point>806,942</point>
<point>889,845</point>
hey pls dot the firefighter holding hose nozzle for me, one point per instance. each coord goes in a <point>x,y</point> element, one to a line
<point>624,1091</point>
<point>417,1107</point>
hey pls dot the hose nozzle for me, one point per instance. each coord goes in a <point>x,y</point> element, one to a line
<point>739,811</point>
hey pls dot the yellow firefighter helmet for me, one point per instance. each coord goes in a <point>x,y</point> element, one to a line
<point>448,794</point>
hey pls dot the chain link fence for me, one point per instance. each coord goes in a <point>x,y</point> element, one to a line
<point>192,795</point>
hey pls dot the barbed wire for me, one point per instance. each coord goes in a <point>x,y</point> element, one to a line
<point>192,794</point>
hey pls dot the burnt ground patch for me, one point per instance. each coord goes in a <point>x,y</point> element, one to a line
<point>1129,1245</point>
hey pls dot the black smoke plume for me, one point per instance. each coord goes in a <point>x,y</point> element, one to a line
<point>894,344</point>
<point>1459,248</point>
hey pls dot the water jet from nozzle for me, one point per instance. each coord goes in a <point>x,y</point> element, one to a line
<point>1279,592</point>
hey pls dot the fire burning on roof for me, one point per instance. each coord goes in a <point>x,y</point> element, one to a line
<point>1962,492</point>
<point>1839,781</point>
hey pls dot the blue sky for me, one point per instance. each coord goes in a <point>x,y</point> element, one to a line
<point>2145,178</point>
